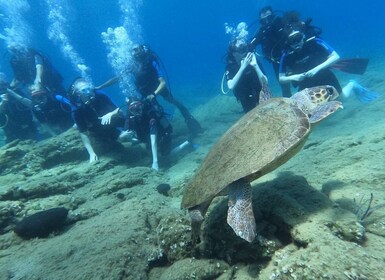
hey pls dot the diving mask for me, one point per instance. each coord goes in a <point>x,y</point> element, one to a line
<point>85,91</point>
<point>296,40</point>
<point>266,18</point>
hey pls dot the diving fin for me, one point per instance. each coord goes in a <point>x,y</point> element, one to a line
<point>363,94</point>
<point>193,125</point>
<point>352,65</point>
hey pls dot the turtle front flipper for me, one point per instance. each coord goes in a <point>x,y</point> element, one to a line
<point>240,215</point>
<point>324,110</point>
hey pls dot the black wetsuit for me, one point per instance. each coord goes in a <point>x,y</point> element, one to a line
<point>16,120</point>
<point>44,106</point>
<point>272,40</point>
<point>248,87</point>
<point>147,73</point>
<point>24,63</point>
<point>314,52</point>
<point>147,117</point>
<point>87,119</point>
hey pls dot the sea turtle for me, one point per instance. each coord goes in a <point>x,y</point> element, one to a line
<point>262,140</point>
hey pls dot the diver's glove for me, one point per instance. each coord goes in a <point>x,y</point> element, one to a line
<point>363,94</point>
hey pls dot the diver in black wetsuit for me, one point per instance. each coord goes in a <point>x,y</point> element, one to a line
<point>306,62</point>
<point>244,74</point>
<point>150,82</point>
<point>88,108</point>
<point>16,118</point>
<point>34,72</point>
<point>271,37</point>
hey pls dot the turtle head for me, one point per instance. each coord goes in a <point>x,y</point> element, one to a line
<point>322,94</point>
<point>317,102</point>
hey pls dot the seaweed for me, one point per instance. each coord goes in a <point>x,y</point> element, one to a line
<point>364,208</point>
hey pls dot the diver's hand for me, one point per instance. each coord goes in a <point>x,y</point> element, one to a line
<point>151,96</point>
<point>246,61</point>
<point>298,77</point>
<point>35,87</point>
<point>93,158</point>
<point>253,61</point>
<point>311,73</point>
<point>106,119</point>
<point>4,97</point>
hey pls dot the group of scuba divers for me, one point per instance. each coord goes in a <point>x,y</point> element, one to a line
<point>36,94</point>
<point>36,98</point>
<point>299,56</point>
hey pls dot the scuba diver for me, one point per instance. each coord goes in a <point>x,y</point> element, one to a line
<point>34,72</point>
<point>150,82</point>
<point>16,118</point>
<point>272,37</point>
<point>147,123</point>
<point>147,119</point>
<point>306,63</point>
<point>244,74</point>
<point>88,108</point>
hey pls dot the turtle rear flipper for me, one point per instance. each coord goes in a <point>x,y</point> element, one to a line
<point>324,110</point>
<point>240,215</point>
<point>197,214</point>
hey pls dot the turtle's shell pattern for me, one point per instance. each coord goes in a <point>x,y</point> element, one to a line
<point>259,142</point>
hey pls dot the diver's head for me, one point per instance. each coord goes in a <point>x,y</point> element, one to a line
<point>266,16</point>
<point>295,40</point>
<point>17,49</point>
<point>82,91</point>
<point>238,49</point>
<point>139,52</point>
<point>135,106</point>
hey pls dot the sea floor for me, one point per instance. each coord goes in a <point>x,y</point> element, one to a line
<point>311,209</point>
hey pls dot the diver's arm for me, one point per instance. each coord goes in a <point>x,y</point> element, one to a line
<point>25,101</point>
<point>108,83</point>
<point>106,119</point>
<point>332,58</point>
<point>283,79</point>
<point>232,83</point>
<point>161,86</point>
<point>39,73</point>
<point>14,83</point>
<point>87,144</point>
<point>262,77</point>
<point>3,102</point>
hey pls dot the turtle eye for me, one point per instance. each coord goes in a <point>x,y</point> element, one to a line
<point>329,90</point>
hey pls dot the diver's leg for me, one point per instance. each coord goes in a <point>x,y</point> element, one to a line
<point>154,149</point>
<point>348,89</point>
<point>363,94</point>
<point>191,122</point>
<point>240,215</point>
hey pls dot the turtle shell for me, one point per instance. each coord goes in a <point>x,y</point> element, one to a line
<point>259,142</point>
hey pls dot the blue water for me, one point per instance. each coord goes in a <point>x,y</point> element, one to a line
<point>189,36</point>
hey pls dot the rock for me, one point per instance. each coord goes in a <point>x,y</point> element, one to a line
<point>163,189</point>
<point>195,269</point>
<point>41,224</point>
